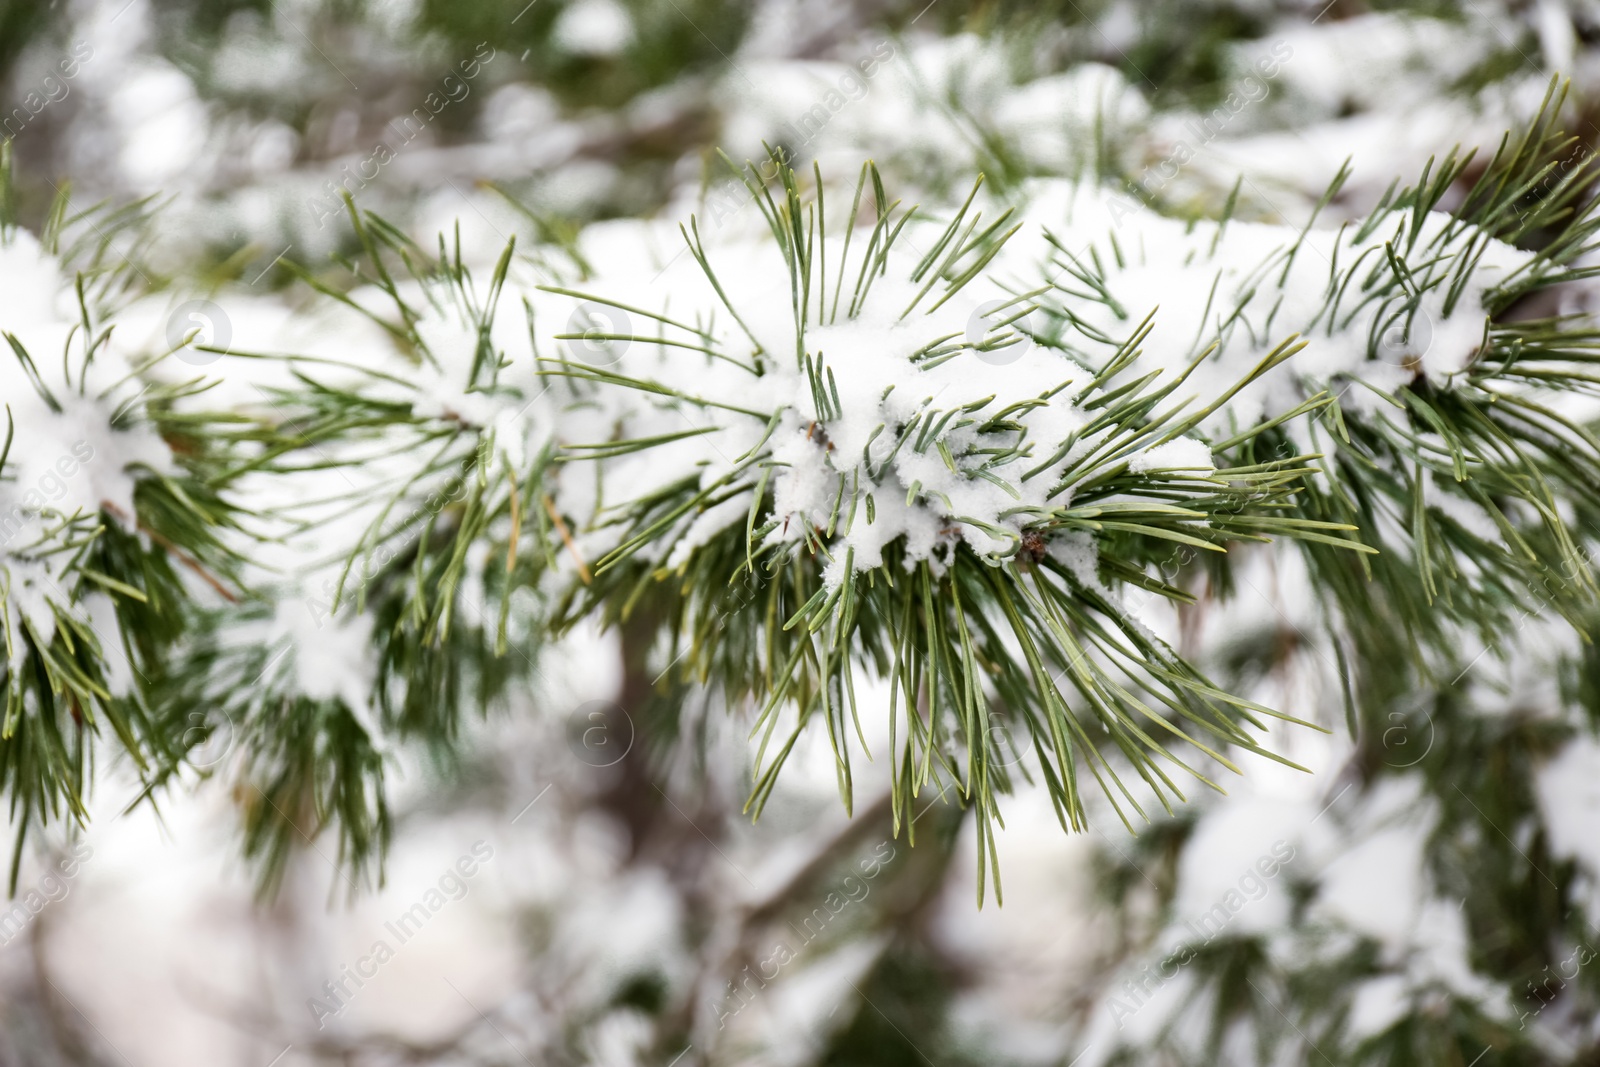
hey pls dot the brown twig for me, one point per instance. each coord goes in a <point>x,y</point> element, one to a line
<point>183,557</point>
<point>561,528</point>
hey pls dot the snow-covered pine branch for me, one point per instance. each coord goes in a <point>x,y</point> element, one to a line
<point>110,522</point>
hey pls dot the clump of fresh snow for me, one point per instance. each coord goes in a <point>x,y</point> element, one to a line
<point>1052,118</point>
<point>593,28</point>
<point>1568,792</point>
<point>74,452</point>
<point>891,450</point>
<point>1232,292</point>
<point>1378,1003</point>
<point>1182,453</point>
<point>75,420</point>
<point>327,661</point>
<point>889,98</point>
